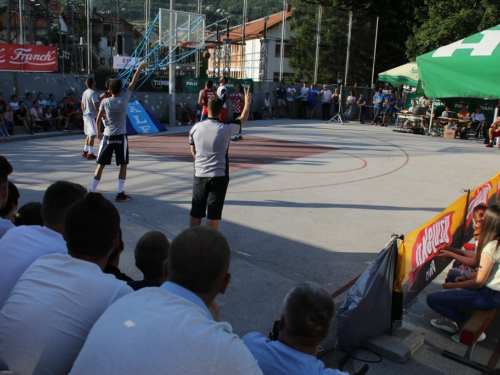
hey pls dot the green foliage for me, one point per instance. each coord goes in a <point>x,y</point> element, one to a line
<point>441,22</point>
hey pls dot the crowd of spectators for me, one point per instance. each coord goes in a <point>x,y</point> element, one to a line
<point>65,306</point>
<point>42,114</point>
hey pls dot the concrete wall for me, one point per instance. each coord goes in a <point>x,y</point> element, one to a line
<point>157,103</point>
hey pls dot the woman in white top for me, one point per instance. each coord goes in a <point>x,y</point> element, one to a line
<point>267,107</point>
<point>351,99</point>
<point>477,291</point>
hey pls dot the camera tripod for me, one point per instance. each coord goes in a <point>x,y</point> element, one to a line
<point>338,117</point>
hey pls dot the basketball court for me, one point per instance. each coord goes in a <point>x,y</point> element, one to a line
<point>306,201</point>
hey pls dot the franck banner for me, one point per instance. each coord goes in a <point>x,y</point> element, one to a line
<point>24,57</point>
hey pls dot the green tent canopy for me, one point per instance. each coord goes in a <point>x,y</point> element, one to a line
<point>406,74</point>
<point>468,68</point>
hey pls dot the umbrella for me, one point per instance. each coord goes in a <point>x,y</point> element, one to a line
<point>406,74</point>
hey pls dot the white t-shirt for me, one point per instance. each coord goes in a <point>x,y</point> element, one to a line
<point>45,321</point>
<point>477,116</point>
<point>491,251</point>
<point>5,225</point>
<point>222,93</point>
<point>162,330</point>
<point>304,91</point>
<point>292,92</point>
<point>327,95</point>
<point>19,248</point>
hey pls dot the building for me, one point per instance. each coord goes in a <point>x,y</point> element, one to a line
<point>248,64</point>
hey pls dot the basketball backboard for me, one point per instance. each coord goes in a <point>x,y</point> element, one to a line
<point>183,29</point>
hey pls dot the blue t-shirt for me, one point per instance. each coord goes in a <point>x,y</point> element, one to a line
<point>378,97</point>
<point>313,96</point>
<point>391,99</point>
<point>276,358</point>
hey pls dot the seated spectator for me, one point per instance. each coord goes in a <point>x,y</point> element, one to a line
<point>41,100</point>
<point>48,117</point>
<point>29,214</point>
<point>28,100</point>
<point>51,101</point>
<point>446,113</point>
<point>21,246</point>
<point>8,119</point>
<point>38,117</point>
<point>164,326</point>
<point>3,128</point>
<point>477,118</point>
<point>476,291</point>
<point>464,113</point>
<point>55,303</point>
<point>7,212</point>
<point>267,107</point>
<point>62,120</point>
<point>72,100</point>
<point>150,253</point>
<point>305,322</point>
<point>494,132</point>
<point>2,102</point>
<point>22,117</point>
<point>14,103</point>
<point>72,117</point>
<point>5,171</point>
<point>413,106</point>
<point>112,266</point>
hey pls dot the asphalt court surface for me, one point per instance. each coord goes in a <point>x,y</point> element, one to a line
<point>306,201</point>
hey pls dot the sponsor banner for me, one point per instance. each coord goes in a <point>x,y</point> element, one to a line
<point>24,57</point>
<point>121,62</point>
<point>418,264</point>
<point>193,84</point>
<point>139,119</point>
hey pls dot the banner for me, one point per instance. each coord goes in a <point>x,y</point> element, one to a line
<point>120,62</point>
<point>140,121</point>
<point>418,264</point>
<point>194,85</point>
<point>23,57</point>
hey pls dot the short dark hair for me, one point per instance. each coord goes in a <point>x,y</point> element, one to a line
<point>198,259</point>
<point>57,199</point>
<point>35,102</point>
<point>223,79</point>
<point>89,82</point>
<point>150,253</point>
<point>115,86</point>
<point>29,214</point>
<point>215,106</point>
<point>28,93</point>
<point>13,97</point>
<point>209,84</point>
<point>308,312</point>
<point>5,170</point>
<point>91,225</point>
<point>40,93</point>
<point>12,199</point>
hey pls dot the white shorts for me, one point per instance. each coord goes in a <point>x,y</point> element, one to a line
<point>89,126</point>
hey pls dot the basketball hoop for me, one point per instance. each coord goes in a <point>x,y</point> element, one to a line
<point>185,44</point>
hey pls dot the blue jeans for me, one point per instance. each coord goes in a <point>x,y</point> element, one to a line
<point>448,302</point>
<point>453,273</point>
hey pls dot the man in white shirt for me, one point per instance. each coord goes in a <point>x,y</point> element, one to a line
<point>477,117</point>
<point>21,246</point>
<point>304,93</point>
<point>326,102</point>
<point>55,303</point>
<point>90,108</point>
<point>5,170</point>
<point>172,329</point>
<point>304,325</point>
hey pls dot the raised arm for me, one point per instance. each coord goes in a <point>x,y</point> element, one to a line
<point>100,116</point>
<point>200,98</point>
<point>137,74</point>
<point>246,108</point>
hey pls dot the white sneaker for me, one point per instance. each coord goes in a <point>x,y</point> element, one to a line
<point>445,324</point>
<point>456,337</point>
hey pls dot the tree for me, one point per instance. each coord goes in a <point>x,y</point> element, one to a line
<point>441,22</point>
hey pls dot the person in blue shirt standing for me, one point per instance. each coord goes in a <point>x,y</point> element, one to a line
<point>390,107</point>
<point>312,101</point>
<point>378,100</point>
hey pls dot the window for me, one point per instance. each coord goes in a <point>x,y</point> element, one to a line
<point>102,61</point>
<point>110,61</point>
<point>276,76</point>
<point>288,48</point>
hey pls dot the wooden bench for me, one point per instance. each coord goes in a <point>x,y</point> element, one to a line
<point>469,335</point>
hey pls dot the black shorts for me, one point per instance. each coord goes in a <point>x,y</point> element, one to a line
<point>208,197</point>
<point>117,144</point>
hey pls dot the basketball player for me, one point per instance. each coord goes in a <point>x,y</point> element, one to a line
<point>221,93</point>
<point>115,132</point>
<point>90,106</point>
<point>205,95</point>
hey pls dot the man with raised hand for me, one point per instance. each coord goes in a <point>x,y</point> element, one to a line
<point>209,142</point>
<point>115,140</point>
<point>172,329</point>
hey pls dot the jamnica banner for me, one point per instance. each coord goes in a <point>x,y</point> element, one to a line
<point>23,57</point>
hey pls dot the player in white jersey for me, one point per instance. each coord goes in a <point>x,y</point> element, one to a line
<point>90,107</point>
<point>221,93</point>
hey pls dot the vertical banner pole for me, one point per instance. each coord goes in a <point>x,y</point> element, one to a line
<point>318,33</point>
<point>171,69</point>
<point>375,53</point>
<point>348,50</point>
<point>282,49</point>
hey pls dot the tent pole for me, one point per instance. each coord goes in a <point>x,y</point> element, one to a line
<point>374,53</point>
<point>430,120</point>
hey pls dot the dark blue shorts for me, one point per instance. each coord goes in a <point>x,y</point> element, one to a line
<point>209,194</point>
<point>117,144</point>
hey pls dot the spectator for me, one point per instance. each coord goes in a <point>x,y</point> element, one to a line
<point>336,99</point>
<point>304,99</point>
<point>312,101</point>
<point>22,117</point>
<point>361,103</point>
<point>326,94</point>
<point>28,100</point>
<point>51,101</point>
<point>69,114</point>
<point>5,171</point>
<point>304,324</point>
<point>47,113</point>
<point>280,94</point>
<point>267,107</point>
<point>41,100</point>
<point>493,132</point>
<point>291,93</point>
<point>14,103</point>
<point>3,128</point>
<point>479,291</point>
<point>2,102</point>
<point>21,246</point>
<point>29,214</point>
<point>7,212</point>
<point>237,104</point>
<point>209,142</point>
<point>423,101</point>
<point>113,264</point>
<point>390,108</point>
<point>378,99</point>
<point>174,321</point>
<point>62,120</point>
<point>150,254</point>
<point>204,97</point>
<point>351,99</point>
<point>477,118</point>
<point>8,119</point>
<point>71,100</point>
<point>37,117</point>
<point>55,303</point>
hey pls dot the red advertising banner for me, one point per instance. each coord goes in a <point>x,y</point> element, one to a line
<point>28,58</point>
